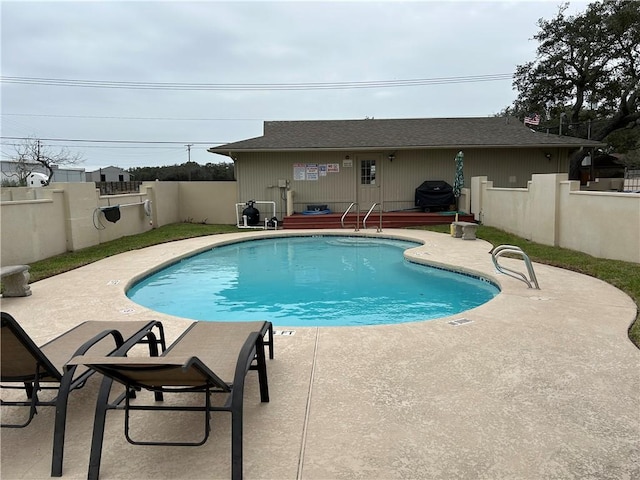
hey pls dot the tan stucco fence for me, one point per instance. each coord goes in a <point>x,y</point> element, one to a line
<point>553,211</point>
<point>38,223</point>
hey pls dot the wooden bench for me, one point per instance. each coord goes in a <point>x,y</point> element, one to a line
<point>465,230</point>
<point>15,280</point>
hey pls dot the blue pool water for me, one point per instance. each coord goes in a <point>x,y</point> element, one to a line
<point>310,281</point>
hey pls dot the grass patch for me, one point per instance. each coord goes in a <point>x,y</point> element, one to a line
<point>623,275</point>
<point>168,233</point>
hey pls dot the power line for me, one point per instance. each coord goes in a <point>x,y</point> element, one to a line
<point>158,142</point>
<point>135,118</point>
<point>111,147</point>
<point>65,82</point>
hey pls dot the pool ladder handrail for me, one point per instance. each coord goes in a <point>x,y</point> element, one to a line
<point>357,217</point>
<point>364,222</point>
<point>504,249</point>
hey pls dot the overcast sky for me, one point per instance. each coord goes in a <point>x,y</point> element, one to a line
<point>281,47</point>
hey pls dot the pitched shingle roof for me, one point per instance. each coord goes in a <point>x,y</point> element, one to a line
<point>398,134</point>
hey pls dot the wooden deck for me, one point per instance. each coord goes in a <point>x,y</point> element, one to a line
<point>389,220</point>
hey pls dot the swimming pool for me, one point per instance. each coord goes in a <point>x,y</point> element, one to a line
<point>310,281</point>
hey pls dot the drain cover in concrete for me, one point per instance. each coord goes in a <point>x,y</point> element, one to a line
<point>460,321</point>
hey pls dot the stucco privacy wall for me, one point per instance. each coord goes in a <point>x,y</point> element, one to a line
<point>614,215</point>
<point>43,222</point>
<point>199,202</point>
<point>208,202</point>
<point>38,223</point>
<point>32,224</point>
<point>553,211</point>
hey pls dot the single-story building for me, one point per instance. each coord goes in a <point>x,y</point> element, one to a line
<point>12,171</point>
<point>337,162</point>
<point>602,165</point>
<point>109,174</point>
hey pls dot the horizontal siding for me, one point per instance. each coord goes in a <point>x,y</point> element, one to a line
<point>258,174</point>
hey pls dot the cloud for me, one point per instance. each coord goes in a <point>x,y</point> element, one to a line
<point>251,43</point>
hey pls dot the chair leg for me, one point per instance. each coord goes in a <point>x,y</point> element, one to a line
<point>31,390</point>
<point>153,352</point>
<point>60,422</point>
<point>28,388</point>
<point>270,332</point>
<point>236,443</point>
<point>102,406</point>
<point>262,370</point>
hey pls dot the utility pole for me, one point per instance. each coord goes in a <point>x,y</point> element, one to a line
<point>189,145</point>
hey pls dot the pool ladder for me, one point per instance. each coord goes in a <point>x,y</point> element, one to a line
<point>504,249</point>
<point>364,221</point>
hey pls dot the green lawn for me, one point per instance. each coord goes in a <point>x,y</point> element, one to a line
<point>623,275</point>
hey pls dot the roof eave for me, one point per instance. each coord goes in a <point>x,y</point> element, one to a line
<point>230,152</point>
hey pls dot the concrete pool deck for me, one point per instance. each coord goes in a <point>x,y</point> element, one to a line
<point>539,384</point>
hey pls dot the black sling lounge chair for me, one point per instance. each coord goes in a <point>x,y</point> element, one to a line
<point>43,368</point>
<point>209,357</point>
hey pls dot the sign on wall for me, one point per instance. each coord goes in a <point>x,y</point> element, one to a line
<point>299,171</point>
<point>313,171</point>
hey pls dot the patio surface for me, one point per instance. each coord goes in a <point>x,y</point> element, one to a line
<point>541,384</point>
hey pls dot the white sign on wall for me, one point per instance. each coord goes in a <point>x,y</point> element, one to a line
<point>312,171</point>
<point>299,171</point>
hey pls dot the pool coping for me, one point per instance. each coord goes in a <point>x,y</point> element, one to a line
<point>533,384</point>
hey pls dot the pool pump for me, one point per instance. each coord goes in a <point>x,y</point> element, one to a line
<point>251,213</point>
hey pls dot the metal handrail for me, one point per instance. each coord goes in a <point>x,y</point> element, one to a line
<point>504,249</point>
<point>347,211</point>
<point>364,222</point>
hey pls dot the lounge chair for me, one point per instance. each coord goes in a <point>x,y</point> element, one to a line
<point>209,357</point>
<point>43,368</point>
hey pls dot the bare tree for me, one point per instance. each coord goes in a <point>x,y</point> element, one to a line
<point>21,173</point>
<point>32,152</point>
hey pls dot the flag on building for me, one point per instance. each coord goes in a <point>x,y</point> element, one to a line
<point>532,119</point>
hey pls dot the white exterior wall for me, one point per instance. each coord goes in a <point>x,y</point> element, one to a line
<point>67,175</point>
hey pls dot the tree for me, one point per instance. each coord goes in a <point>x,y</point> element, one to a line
<point>189,171</point>
<point>21,173</point>
<point>632,159</point>
<point>586,73</point>
<point>32,152</point>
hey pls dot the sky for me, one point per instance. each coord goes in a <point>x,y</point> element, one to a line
<point>131,84</point>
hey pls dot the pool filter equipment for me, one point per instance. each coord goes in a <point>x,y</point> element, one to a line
<point>251,214</point>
